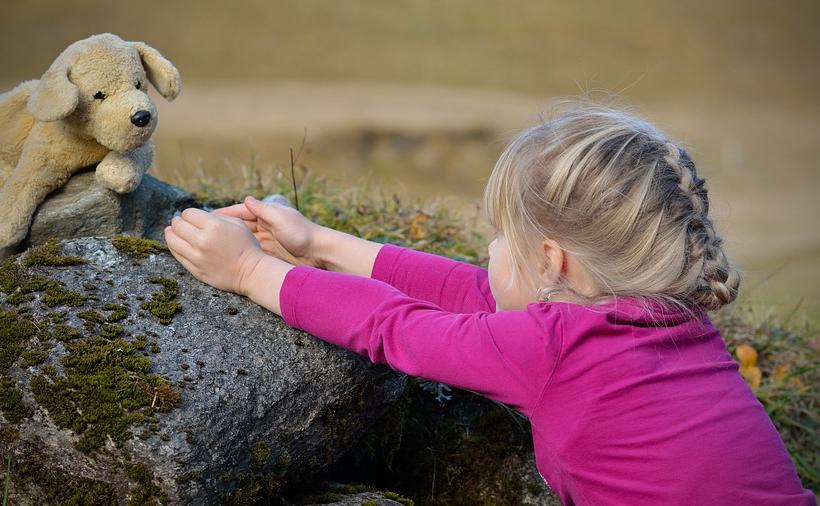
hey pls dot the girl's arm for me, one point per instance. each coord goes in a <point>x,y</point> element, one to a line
<point>454,286</point>
<point>508,356</point>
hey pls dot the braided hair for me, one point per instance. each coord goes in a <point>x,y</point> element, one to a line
<point>717,282</point>
<point>619,195</point>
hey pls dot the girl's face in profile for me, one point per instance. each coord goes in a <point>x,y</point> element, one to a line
<point>499,270</point>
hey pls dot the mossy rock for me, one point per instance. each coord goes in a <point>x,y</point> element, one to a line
<point>119,376</point>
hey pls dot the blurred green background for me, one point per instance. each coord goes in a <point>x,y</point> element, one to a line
<point>421,97</point>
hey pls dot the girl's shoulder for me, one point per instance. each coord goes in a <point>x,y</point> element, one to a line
<point>625,312</point>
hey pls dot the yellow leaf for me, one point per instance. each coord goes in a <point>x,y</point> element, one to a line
<point>746,355</point>
<point>780,372</point>
<point>752,375</point>
<point>417,230</point>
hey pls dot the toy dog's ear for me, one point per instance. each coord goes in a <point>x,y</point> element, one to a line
<point>55,96</point>
<point>161,72</point>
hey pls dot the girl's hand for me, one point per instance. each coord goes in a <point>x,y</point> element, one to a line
<point>280,230</point>
<point>216,249</point>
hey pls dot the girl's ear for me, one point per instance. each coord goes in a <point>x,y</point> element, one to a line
<point>552,264</point>
<point>161,72</point>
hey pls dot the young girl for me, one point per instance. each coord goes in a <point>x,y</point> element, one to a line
<point>590,319</point>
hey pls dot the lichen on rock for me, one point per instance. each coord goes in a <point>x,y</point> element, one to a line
<point>100,389</point>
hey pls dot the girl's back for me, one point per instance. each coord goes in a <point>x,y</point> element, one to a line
<point>648,407</point>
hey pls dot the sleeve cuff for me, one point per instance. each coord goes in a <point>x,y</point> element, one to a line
<point>289,292</point>
<point>385,262</point>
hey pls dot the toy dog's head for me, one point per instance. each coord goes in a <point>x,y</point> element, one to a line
<point>98,86</point>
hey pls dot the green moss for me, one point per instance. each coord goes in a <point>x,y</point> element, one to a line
<point>9,275</point>
<point>12,405</point>
<point>19,297</point>
<point>34,284</point>
<point>65,333</point>
<point>146,490</point>
<point>20,287</point>
<point>355,488</point>
<point>137,247</point>
<point>162,304</point>
<point>57,316</point>
<point>369,503</point>
<point>58,295</point>
<point>241,372</point>
<point>118,312</point>
<point>154,348</point>
<point>14,330</point>
<point>398,497</point>
<point>91,316</point>
<point>282,463</point>
<point>9,434</point>
<point>49,254</point>
<point>60,488</point>
<point>49,370</point>
<point>231,310</point>
<point>33,357</point>
<point>252,489</point>
<point>190,476</point>
<point>140,342</point>
<point>260,453</point>
<point>106,390</point>
<point>111,330</point>
<point>189,437</point>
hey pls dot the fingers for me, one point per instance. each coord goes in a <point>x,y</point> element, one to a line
<point>258,208</point>
<point>253,225</point>
<point>179,247</point>
<point>196,217</point>
<point>234,220</point>
<point>185,230</point>
<point>237,211</point>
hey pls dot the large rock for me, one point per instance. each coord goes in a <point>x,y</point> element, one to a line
<point>84,208</point>
<point>108,395</point>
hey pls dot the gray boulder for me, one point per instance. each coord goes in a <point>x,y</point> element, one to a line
<point>84,208</point>
<point>123,378</point>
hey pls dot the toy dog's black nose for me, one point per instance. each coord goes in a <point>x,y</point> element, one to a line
<point>141,118</point>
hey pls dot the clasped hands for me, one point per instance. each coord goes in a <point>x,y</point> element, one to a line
<point>222,248</point>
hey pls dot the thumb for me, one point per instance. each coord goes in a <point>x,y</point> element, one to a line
<point>259,208</point>
<point>254,205</point>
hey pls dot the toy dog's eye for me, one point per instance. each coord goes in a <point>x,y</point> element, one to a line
<point>99,95</point>
<point>139,84</point>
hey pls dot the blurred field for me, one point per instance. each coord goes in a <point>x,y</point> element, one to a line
<point>421,97</point>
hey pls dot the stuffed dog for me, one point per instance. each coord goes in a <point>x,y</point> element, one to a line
<point>90,107</point>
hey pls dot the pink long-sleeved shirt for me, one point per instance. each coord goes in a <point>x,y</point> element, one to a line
<point>625,407</point>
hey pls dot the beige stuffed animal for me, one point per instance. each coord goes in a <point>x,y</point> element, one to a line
<point>90,107</point>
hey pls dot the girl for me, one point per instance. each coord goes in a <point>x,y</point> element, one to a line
<point>590,320</point>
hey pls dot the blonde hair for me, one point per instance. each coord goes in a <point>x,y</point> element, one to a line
<point>620,196</point>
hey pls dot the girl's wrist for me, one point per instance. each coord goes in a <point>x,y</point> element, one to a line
<point>264,282</point>
<point>324,247</point>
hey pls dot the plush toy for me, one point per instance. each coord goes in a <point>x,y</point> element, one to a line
<point>90,107</point>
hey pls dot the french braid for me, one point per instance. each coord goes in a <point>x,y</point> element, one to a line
<point>628,203</point>
<point>717,281</point>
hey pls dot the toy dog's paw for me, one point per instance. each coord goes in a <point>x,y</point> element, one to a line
<point>118,174</point>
